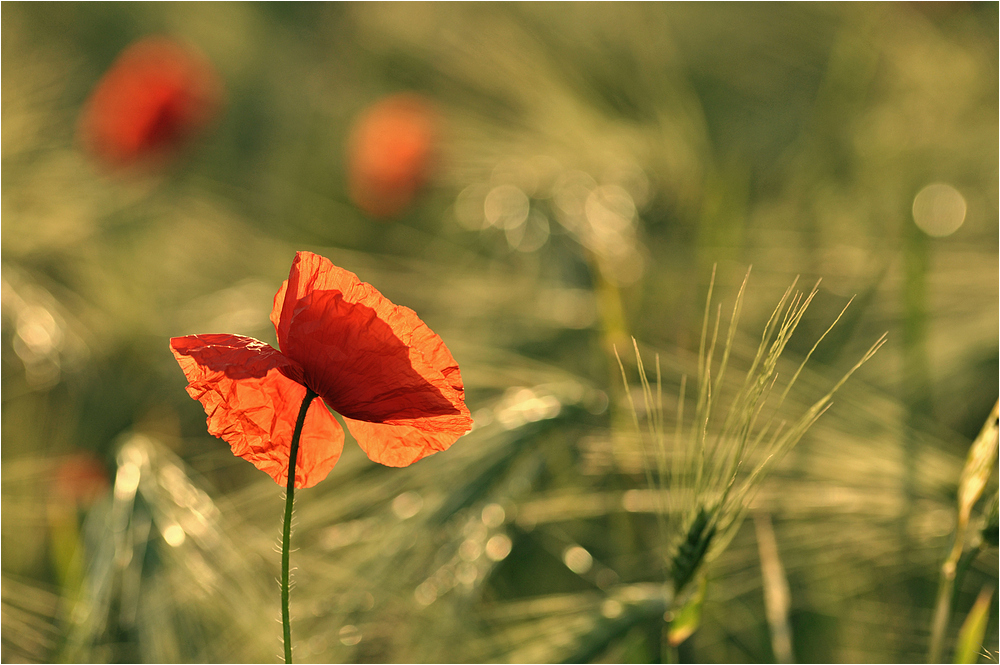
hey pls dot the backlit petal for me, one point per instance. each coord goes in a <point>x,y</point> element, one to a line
<point>404,442</point>
<point>371,360</point>
<point>311,272</point>
<point>252,395</point>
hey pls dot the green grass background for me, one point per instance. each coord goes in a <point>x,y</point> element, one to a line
<point>790,137</point>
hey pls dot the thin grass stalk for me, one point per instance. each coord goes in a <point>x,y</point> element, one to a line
<point>659,395</point>
<point>730,336</point>
<point>758,409</point>
<point>647,396</point>
<point>777,594</point>
<point>812,350</point>
<point>679,459</point>
<point>783,444</point>
<point>701,435</point>
<point>628,393</point>
<point>768,331</point>
<point>753,396</point>
<point>780,444</point>
<point>654,418</point>
<point>754,393</point>
<point>700,438</point>
<point>705,386</point>
<point>704,329</point>
<point>661,446</point>
<point>647,468</point>
<point>651,421</point>
<point>734,320</point>
<point>751,388</point>
<point>704,370</point>
<point>792,317</point>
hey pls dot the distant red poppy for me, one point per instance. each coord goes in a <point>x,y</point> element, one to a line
<point>157,95</point>
<point>378,365</point>
<point>391,152</point>
<point>80,479</point>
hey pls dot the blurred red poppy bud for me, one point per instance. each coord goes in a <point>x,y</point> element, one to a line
<point>80,479</point>
<point>157,95</point>
<point>390,153</point>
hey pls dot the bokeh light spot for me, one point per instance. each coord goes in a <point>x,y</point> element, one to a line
<point>174,535</point>
<point>426,593</point>
<point>493,515</point>
<point>317,644</point>
<point>350,635</point>
<point>530,236</point>
<point>605,577</point>
<point>498,547</point>
<point>470,205</point>
<point>407,504</point>
<point>611,609</point>
<point>506,207</point>
<point>39,330</point>
<point>467,574</point>
<point>939,210</point>
<point>126,481</point>
<point>577,559</point>
<point>470,550</point>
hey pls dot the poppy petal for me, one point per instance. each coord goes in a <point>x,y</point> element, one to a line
<point>431,347</point>
<point>252,395</point>
<point>403,443</point>
<point>371,360</point>
<point>311,272</point>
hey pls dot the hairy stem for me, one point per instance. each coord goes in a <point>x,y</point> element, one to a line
<point>286,534</point>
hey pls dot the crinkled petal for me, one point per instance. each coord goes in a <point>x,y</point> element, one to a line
<point>311,272</point>
<point>371,360</point>
<point>401,443</point>
<point>353,359</point>
<point>252,395</point>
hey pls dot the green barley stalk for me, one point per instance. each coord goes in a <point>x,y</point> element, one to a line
<point>979,466</point>
<point>723,462</point>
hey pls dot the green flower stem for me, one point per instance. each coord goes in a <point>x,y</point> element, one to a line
<point>286,534</point>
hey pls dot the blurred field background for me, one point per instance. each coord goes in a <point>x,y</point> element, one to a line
<point>591,163</point>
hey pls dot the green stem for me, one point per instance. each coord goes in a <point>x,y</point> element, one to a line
<point>942,606</point>
<point>286,534</point>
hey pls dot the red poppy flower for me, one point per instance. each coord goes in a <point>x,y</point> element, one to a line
<point>156,96</point>
<point>390,154</point>
<point>378,365</point>
<point>80,479</point>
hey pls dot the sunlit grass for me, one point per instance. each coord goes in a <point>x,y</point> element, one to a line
<point>719,463</point>
<point>674,105</point>
<point>721,459</point>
